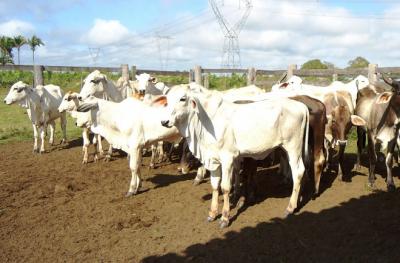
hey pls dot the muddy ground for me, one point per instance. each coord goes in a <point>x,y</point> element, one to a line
<point>53,209</point>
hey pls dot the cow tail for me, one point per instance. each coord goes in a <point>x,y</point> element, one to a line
<point>306,137</point>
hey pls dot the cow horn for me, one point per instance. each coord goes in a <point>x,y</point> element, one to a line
<point>387,80</point>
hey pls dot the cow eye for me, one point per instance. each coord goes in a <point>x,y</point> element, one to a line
<point>19,90</point>
<point>69,99</point>
<point>183,99</point>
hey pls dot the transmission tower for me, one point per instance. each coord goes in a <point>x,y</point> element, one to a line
<point>231,49</point>
<point>94,54</point>
<point>163,42</point>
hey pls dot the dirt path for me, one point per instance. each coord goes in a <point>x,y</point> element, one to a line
<point>52,208</point>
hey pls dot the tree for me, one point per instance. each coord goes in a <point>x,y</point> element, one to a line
<point>314,64</point>
<point>34,42</point>
<point>358,62</point>
<point>6,46</point>
<point>19,41</point>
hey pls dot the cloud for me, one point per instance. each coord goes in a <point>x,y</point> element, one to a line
<point>16,27</point>
<point>105,32</point>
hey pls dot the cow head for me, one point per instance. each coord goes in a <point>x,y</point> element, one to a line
<point>392,97</point>
<point>293,83</point>
<point>144,81</point>
<point>93,85</point>
<point>340,122</point>
<point>18,92</point>
<point>361,82</point>
<point>70,102</point>
<point>180,105</point>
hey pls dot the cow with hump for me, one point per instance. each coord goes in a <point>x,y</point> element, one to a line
<point>41,104</point>
<point>220,134</point>
<point>381,111</point>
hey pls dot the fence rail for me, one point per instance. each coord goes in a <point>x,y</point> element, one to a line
<point>200,75</point>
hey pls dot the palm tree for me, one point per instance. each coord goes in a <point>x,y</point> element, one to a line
<point>34,42</point>
<point>6,46</point>
<point>19,41</point>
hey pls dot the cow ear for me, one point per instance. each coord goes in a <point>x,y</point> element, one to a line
<point>153,80</point>
<point>358,121</point>
<point>162,101</point>
<point>384,98</point>
<point>194,104</point>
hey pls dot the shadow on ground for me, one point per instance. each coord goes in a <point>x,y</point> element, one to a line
<point>360,230</point>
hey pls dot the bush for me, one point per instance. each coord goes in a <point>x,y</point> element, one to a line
<point>314,64</point>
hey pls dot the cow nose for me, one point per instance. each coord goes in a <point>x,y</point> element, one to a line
<point>165,123</point>
<point>141,92</point>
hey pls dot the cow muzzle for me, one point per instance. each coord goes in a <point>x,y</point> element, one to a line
<point>142,92</point>
<point>165,124</point>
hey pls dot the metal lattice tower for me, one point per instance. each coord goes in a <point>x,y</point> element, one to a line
<point>163,54</point>
<point>94,54</point>
<point>231,49</point>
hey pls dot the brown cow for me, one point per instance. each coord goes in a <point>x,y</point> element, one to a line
<point>381,111</point>
<point>339,109</point>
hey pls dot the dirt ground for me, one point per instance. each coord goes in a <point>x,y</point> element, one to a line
<point>53,208</point>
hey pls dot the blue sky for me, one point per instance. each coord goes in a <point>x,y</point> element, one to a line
<point>277,32</point>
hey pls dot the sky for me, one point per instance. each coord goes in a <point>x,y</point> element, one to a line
<point>178,34</point>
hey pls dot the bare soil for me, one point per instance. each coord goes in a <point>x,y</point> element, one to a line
<point>53,208</point>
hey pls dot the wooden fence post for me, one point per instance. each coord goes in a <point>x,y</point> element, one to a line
<point>197,74</point>
<point>191,75</point>
<point>38,75</point>
<point>133,72</point>
<point>334,77</point>
<point>372,73</point>
<point>125,71</point>
<point>206,81</point>
<point>251,76</point>
<point>291,69</point>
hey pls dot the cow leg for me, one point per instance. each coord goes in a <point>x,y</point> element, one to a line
<point>52,125</point>
<point>64,127</point>
<point>35,138</point>
<point>43,129</point>
<point>319,160</point>
<point>342,147</point>
<point>109,153</point>
<point>184,163</point>
<point>95,145</point>
<point>389,164</point>
<point>360,146</point>
<point>372,161</point>
<point>215,180</point>
<point>201,172</point>
<point>160,151</point>
<point>249,170</point>
<point>135,159</point>
<point>99,144</point>
<point>297,167</point>
<point>86,142</point>
<point>153,156</point>
<point>227,168</point>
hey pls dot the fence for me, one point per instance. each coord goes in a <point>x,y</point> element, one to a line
<point>201,75</point>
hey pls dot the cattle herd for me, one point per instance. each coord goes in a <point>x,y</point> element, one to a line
<point>228,132</point>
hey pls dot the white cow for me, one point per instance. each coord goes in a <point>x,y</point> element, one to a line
<point>220,133</point>
<point>41,104</point>
<point>70,103</point>
<point>149,86</point>
<point>129,125</point>
<point>295,85</point>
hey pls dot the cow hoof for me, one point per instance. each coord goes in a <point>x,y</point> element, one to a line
<point>371,187</point>
<point>129,194</point>
<point>210,219</point>
<point>391,188</point>
<point>107,159</point>
<point>287,214</point>
<point>151,166</point>
<point>223,223</point>
<point>84,162</point>
<point>196,182</point>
